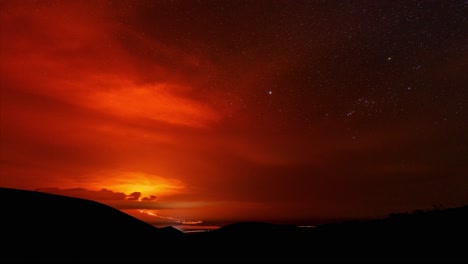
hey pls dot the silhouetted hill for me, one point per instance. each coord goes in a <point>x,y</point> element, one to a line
<point>429,235</point>
<point>45,226</point>
<point>36,226</point>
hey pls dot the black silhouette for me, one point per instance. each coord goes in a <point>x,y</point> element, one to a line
<point>40,226</point>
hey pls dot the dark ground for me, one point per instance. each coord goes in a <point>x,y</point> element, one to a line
<point>40,226</point>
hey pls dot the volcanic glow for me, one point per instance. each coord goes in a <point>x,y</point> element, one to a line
<point>236,110</point>
<point>146,184</point>
<point>172,219</point>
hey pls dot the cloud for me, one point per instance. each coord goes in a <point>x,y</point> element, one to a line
<point>102,195</point>
<point>153,205</point>
<point>135,196</point>
<point>64,51</point>
<point>121,200</point>
<point>151,198</point>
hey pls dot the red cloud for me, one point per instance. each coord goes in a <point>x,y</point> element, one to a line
<point>134,196</point>
<point>151,198</point>
<point>102,195</point>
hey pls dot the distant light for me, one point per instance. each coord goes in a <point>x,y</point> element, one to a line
<point>192,222</point>
<point>270,92</point>
<point>389,58</point>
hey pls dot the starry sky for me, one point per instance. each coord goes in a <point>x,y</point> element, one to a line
<point>237,110</point>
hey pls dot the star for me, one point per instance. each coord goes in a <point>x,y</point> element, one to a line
<point>270,92</point>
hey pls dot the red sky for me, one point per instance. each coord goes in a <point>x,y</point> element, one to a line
<point>264,110</point>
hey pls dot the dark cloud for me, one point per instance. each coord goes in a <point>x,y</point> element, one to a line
<point>151,198</point>
<point>134,196</point>
<point>103,195</point>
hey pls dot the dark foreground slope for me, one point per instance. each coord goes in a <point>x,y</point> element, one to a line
<point>36,225</point>
<point>439,235</point>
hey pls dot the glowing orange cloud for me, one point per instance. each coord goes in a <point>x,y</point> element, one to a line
<point>146,184</point>
<point>61,53</point>
<point>70,80</point>
<point>126,183</point>
<point>154,102</point>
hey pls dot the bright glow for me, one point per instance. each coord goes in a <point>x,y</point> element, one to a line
<point>146,184</point>
<point>175,220</point>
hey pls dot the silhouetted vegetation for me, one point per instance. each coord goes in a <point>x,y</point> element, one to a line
<point>39,226</point>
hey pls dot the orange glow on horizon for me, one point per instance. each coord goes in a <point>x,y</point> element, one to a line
<point>172,219</point>
<point>146,184</point>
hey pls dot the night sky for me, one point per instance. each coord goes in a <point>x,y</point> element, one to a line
<point>237,110</point>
